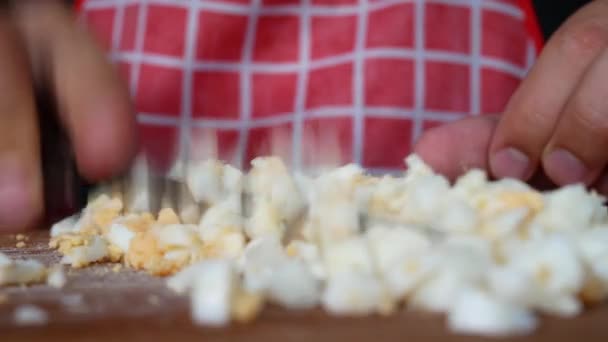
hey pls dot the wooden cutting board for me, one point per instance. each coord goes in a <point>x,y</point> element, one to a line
<point>99,304</point>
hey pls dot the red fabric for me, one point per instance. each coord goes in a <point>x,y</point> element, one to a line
<point>532,24</point>
<point>78,4</point>
<point>360,77</point>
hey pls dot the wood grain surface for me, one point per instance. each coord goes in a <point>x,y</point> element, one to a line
<point>98,304</point>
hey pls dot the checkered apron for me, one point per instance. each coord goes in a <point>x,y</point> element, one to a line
<point>361,79</point>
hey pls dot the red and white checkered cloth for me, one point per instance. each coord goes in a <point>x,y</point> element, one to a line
<point>376,72</point>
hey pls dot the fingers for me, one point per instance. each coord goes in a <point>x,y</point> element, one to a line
<point>93,102</point>
<point>20,175</point>
<point>578,149</point>
<point>456,147</point>
<point>531,116</point>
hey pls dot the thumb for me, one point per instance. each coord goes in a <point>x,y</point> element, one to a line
<point>456,147</point>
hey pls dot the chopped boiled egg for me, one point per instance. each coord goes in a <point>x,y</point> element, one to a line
<point>182,281</point>
<point>212,293</point>
<point>583,210</point>
<point>21,272</point>
<point>489,254</point>
<point>477,312</point>
<point>265,220</point>
<point>293,285</point>
<point>353,293</point>
<point>56,276</point>
<point>228,245</point>
<point>211,181</point>
<point>167,216</point>
<point>260,258</point>
<point>65,226</point>
<point>593,249</point>
<point>221,218</point>
<point>553,263</point>
<point>456,265</point>
<point>94,249</point>
<point>176,236</point>
<point>352,255</point>
<point>120,236</point>
<point>309,254</point>
<point>402,257</point>
<point>269,181</point>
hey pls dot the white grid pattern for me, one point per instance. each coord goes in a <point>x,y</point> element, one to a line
<point>140,33</point>
<point>246,66</point>
<point>530,57</point>
<point>117,27</point>
<point>288,68</point>
<point>245,82</point>
<point>314,10</point>
<point>302,85</point>
<point>419,70</point>
<point>187,88</point>
<point>359,82</point>
<point>476,32</point>
<point>325,112</point>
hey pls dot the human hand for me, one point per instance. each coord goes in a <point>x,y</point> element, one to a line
<point>41,45</point>
<point>555,123</point>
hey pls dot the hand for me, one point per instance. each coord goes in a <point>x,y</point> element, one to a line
<point>41,45</point>
<point>556,121</point>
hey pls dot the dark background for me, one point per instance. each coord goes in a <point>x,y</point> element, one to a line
<point>552,13</point>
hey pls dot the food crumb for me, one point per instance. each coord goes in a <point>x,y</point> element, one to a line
<point>56,277</point>
<point>72,300</point>
<point>20,244</point>
<point>29,315</point>
<point>117,268</point>
<point>20,237</point>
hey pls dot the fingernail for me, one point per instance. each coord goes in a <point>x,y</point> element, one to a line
<point>15,200</point>
<point>564,168</point>
<point>510,163</point>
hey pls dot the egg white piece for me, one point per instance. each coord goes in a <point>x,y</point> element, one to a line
<point>476,312</point>
<point>65,226</point>
<point>56,277</point>
<point>120,236</point>
<point>353,294</point>
<point>96,250</point>
<point>212,293</point>
<point>309,254</point>
<point>294,286</point>
<point>219,219</point>
<point>177,236</point>
<point>30,315</point>
<point>260,259</point>
<point>17,272</point>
